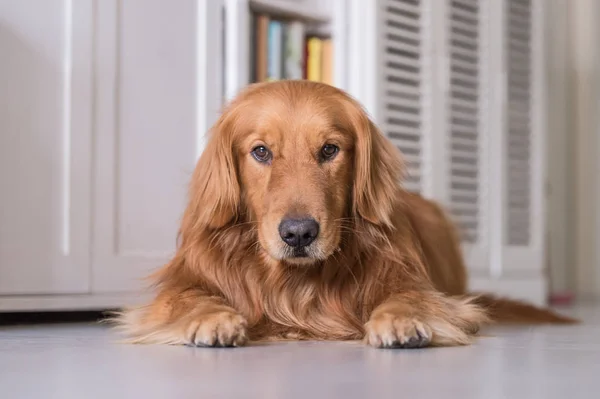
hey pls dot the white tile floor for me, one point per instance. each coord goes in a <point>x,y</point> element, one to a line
<point>82,361</point>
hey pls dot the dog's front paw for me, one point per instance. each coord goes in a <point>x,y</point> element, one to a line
<point>437,321</point>
<point>387,330</point>
<point>222,329</point>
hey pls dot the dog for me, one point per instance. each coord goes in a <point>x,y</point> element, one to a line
<point>297,227</point>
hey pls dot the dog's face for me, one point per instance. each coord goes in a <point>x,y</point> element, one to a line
<point>295,168</point>
<point>298,160</point>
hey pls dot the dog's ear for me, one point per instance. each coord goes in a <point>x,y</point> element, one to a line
<point>214,191</point>
<point>378,169</point>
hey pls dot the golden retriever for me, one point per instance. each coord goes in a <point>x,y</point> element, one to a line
<point>297,227</point>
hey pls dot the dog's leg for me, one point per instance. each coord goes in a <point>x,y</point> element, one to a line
<point>184,317</point>
<point>415,319</point>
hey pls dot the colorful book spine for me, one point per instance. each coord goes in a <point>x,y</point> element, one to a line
<point>315,49</point>
<point>294,50</point>
<point>305,66</point>
<point>275,50</point>
<point>327,62</point>
<point>282,50</point>
<point>261,48</point>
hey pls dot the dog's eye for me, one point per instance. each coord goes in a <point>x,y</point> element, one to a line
<point>262,154</point>
<point>329,151</point>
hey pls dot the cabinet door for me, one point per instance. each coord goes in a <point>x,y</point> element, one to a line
<point>158,89</point>
<point>45,134</point>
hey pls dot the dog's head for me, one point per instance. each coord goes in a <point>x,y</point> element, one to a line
<point>298,161</point>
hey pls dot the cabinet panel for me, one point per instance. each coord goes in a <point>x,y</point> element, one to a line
<point>152,118</point>
<point>45,125</point>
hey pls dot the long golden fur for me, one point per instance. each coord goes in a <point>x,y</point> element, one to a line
<point>385,267</point>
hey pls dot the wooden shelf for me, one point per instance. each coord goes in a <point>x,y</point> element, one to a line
<point>291,9</point>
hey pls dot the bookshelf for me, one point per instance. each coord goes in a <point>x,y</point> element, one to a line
<point>283,39</point>
<point>315,12</point>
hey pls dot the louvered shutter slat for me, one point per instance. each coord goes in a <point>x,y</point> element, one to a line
<point>407,5</point>
<point>404,35</point>
<point>409,78</point>
<point>402,90</point>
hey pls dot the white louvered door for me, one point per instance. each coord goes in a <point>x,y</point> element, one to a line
<point>457,85</point>
<point>495,114</point>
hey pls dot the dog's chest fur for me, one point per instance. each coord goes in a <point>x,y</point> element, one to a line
<point>298,303</point>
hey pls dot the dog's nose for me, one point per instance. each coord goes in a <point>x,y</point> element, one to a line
<point>298,232</point>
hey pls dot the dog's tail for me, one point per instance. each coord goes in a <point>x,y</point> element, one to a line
<point>502,310</point>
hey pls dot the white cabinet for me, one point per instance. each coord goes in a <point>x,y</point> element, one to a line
<point>104,107</point>
<point>45,146</point>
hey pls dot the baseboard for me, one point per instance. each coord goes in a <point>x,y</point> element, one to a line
<point>27,303</point>
<point>533,290</point>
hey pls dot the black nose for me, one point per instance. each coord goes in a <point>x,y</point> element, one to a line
<point>298,232</point>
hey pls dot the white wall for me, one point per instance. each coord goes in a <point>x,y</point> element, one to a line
<point>560,151</point>
<point>584,19</point>
<point>574,146</point>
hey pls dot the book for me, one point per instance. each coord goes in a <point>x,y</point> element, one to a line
<point>253,33</point>
<point>275,51</point>
<point>261,47</point>
<point>293,50</point>
<point>327,62</point>
<point>315,48</point>
<point>305,66</point>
